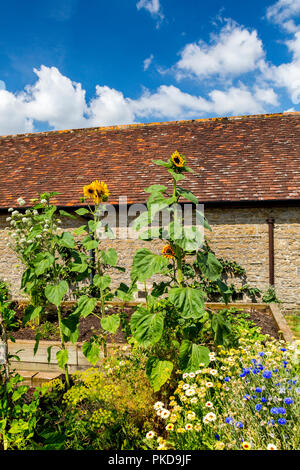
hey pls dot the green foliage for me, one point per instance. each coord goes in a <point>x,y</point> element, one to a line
<point>17,415</point>
<point>172,330</point>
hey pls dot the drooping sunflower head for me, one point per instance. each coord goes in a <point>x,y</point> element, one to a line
<point>97,190</point>
<point>177,159</point>
<point>168,252</point>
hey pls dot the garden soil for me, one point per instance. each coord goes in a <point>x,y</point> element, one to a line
<point>90,325</point>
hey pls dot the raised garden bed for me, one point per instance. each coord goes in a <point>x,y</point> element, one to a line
<point>267,317</point>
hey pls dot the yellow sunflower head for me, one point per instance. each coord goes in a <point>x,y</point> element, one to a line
<point>177,159</point>
<point>88,191</point>
<point>97,191</point>
<point>168,252</point>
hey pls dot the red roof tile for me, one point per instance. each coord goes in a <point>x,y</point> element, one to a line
<point>244,158</point>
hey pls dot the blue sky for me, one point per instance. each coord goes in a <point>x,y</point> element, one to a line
<point>71,63</point>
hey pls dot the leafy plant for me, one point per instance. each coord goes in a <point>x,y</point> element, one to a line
<point>171,329</point>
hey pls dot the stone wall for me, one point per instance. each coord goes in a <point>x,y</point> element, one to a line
<point>238,234</point>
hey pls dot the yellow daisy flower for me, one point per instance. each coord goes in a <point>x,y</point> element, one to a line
<point>246,445</point>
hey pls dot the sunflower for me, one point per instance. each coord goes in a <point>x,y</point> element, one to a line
<point>97,191</point>
<point>168,252</point>
<point>177,159</point>
<point>88,191</point>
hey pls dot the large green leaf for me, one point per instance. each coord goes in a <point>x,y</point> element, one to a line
<point>102,282</point>
<point>42,262</point>
<point>156,188</point>
<point>191,355</point>
<point>110,323</point>
<point>201,220</point>
<point>157,202</point>
<point>125,293</point>
<point>85,306</point>
<point>221,328</point>
<point>146,264</point>
<point>31,313</point>
<point>109,257</point>
<point>158,372</point>
<point>90,244</point>
<point>69,326</point>
<point>91,351</point>
<point>55,293</point>
<point>162,163</point>
<point>191,239</point>
<point>189,301</point>
<point>62,357</point>
<point>82,211</point>
<point>210,266</point>
<point>147,328</point>
<point>66,240</point>
<point>186,194</point>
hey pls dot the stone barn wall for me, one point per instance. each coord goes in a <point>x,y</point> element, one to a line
<point>238,234</point>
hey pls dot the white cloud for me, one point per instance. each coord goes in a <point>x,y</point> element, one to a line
<point>109,107</point>
<point>56,99</point>
<point>13,116</point>
<point>153,7</point>
<point>60,102</point>
<point>148,62</point>
<point>282,13</point>
<point>286,75</point>
<point>233,52</point>
<point>283,10</point>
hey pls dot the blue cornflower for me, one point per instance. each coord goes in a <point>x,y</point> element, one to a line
<point>253,361</point>
<point>258,389</point>
<point>260,366</point>
<point>254,397</point>
<point>228,420</point>
<point>275,370</point>
<point>239,424</point>
<point>288,401</point>
<point>282,349</point>
<point>261,354</point>
<point>242,374</point>
<point>246,397</point>
<point>281,411</point>
<point>217,437</point>
<point>226,379</point>
<point>267,374</point>
<point>264,400</point>
<point>258,407</point>
<point>281,421</point>
<point>274,411</point>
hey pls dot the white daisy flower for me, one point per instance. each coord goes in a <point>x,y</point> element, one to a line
<point>210,417</point>
<point>165,414</point>
<point>190,392</point>
<point>158,405</point>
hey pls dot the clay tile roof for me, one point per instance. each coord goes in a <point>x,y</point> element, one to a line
<point>243,158</point>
